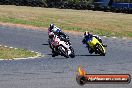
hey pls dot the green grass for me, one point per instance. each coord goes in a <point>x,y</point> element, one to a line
<point>97,22</point>
<point>21,21</point>
<point>10,53</point>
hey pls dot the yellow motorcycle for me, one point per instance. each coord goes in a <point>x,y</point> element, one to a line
<point>96,46</point>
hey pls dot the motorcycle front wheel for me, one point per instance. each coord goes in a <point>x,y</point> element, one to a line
<point>101,50</point>
<point>63,51</point>
<point>72,55</point>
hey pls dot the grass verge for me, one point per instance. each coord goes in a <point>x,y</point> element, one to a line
<point>101,23</point>
<point>10,53</point>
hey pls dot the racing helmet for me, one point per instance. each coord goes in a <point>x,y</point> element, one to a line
<point>86,33</point>
<point>51,26</point>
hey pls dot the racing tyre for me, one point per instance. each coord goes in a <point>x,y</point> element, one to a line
<point>100,49</point>
<point>63,51</point>
<point>72,55</point>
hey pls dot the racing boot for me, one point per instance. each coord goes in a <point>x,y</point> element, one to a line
<point>54,53</point>
<point>90,51</point>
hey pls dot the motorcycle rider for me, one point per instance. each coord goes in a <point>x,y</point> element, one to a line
<point>86,36</point>
<point>52,31</point>
<point>57,31</point>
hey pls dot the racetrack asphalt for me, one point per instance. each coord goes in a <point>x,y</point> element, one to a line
<point>59,72</point>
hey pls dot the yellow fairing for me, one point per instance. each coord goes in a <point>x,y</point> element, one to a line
<point>93,42</point>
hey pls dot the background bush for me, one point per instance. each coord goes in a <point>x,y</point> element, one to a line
<point>74,4</point>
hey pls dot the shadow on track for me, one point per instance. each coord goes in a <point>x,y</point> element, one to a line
<point>49,54</point>
<point>45,44</point>
<point>79,55</point>
<point>88,55</point>
<point>57,57</point>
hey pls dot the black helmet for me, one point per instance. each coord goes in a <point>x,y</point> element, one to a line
<point>86,33</point>
<point>51,26</point>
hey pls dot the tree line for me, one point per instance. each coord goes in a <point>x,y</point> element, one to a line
<point>74,4</point>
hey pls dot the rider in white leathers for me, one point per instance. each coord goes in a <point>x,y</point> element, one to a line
<point>52,31</point>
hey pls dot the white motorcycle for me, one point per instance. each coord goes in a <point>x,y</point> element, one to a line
<point>62,47</point>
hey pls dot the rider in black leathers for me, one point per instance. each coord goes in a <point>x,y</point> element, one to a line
<point>87,35</point>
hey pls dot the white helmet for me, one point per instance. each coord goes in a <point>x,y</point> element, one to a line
<point>86,33</point>
<point>51,26</point>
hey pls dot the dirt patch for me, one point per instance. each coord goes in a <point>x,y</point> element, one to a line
<point>37,28</point>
